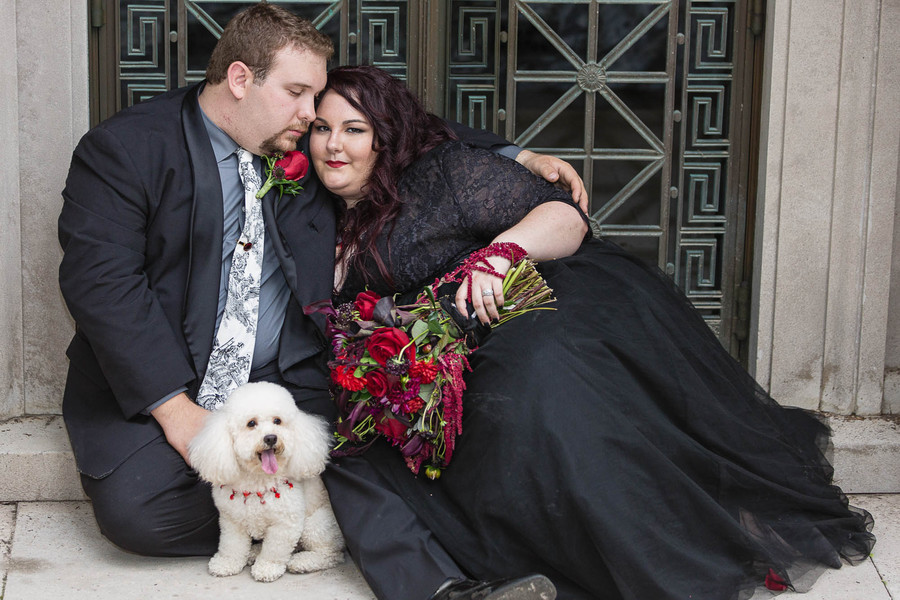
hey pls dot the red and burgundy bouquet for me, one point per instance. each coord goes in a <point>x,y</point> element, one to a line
<point>397,371</point>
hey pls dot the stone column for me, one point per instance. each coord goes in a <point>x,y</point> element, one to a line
<point>53,112</point>
<point>891,403</point>
<point>12,377</point>
<point>886,186</point>
<point>829,145</point>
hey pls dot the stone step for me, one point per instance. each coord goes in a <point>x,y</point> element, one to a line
<point>36,462</point>
<point>867,454</point>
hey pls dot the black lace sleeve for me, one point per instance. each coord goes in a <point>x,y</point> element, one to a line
<point>491,192</point>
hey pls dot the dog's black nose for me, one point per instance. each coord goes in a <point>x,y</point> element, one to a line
<point>270,439</point>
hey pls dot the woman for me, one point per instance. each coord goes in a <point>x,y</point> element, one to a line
<point>611,444</point>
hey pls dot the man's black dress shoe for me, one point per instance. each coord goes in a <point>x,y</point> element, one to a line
<point>532,587</point>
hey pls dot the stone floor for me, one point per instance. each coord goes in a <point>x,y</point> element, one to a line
<point>54,550</point>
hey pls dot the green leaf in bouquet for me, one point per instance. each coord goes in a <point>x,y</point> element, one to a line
<point>426,391</point>
<point>430,294</point>
<point>446,338</point>
<point>432,399</point>
<point>434,323</point>
<point>419,330</point>
<point>363,395</point>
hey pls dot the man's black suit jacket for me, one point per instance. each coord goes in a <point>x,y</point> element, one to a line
<point>141,230</point>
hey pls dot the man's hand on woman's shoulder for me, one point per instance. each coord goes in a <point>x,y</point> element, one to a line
<point>558,171</point>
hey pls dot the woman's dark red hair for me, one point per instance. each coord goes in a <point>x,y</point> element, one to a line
<point>403,132</point>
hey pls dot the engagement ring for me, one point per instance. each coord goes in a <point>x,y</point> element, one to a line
<point>487,292</point>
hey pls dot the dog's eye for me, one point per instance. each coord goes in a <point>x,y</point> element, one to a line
<point>277,421</point>
<point>251,424</point>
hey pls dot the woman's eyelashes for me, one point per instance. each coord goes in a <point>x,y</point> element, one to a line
<point>322,128</point>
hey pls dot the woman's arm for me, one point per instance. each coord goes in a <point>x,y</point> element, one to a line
<point>550,230</point>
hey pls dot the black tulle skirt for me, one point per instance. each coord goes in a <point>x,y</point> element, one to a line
<point>613,445</point>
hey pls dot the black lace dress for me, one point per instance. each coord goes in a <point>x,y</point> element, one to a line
<point>611,444</point>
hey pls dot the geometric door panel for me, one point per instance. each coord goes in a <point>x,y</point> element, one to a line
<point>640,97</point>
<point>166,43</point>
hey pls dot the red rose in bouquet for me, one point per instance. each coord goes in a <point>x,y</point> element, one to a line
<point>392,429</point>
<point>378,384</point>
<point>389,342</point>
<point>365,304</point>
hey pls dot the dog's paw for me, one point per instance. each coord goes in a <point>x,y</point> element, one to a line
<point>222,565</point>
<point>266,571</point>
<point>306,561</point>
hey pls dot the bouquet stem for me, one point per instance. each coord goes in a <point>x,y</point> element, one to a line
<point>524,290</point>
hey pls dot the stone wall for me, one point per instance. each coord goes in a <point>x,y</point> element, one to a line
<point>45,50</point>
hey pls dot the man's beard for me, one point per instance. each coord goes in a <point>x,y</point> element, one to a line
<point>279,144</point>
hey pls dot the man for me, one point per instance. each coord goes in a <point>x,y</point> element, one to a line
<point>153,213</point>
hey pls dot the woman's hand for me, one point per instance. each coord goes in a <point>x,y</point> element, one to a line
<point>551,230</point>
<point>558,171</point>
<point>486,305</point>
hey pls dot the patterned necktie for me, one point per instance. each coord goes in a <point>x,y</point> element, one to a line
<point>232,353</point>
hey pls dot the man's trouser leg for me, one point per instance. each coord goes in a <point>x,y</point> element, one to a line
<point>154,504</point>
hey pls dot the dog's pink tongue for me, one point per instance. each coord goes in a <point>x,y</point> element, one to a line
<point>269,462</point>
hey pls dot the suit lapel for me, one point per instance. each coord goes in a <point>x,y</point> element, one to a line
<point>201,298</point>
<point>302,232</point>
<point>272,231</point>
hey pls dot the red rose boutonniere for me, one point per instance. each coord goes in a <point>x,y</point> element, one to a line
<point>285,171</point>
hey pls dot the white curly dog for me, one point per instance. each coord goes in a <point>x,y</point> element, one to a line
<point>263,457</point>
